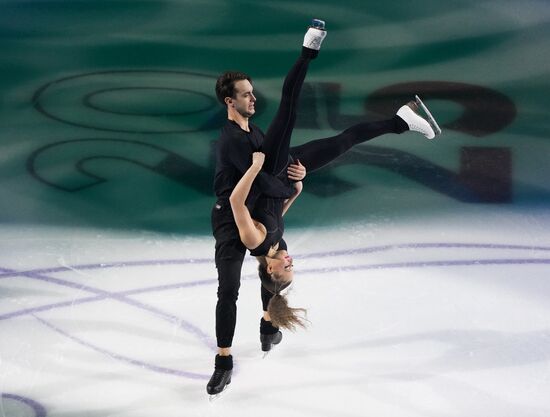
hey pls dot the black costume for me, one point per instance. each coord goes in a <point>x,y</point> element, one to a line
<point>233,158</point>
<point>233,155</point>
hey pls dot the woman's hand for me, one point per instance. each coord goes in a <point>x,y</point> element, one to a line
<point>297,190</point>
<point>296,172</point>
<point>258,159</point>
<point>298,186</point>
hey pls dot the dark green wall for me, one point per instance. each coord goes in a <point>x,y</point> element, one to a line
<point>108,115</point>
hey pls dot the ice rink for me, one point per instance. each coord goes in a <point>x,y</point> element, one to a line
<point>404,321</point>
<point>423,265</point>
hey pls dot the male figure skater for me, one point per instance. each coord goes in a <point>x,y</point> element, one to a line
<point>238,140</point>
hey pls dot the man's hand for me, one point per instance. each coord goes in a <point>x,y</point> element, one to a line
<point>296,172</point>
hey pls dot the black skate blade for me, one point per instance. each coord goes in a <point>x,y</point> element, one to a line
<point>431,119</point>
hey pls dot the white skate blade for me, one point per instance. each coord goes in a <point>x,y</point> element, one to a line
<point>215,397</point>
<point>267,352</point>
<point>431,119</point>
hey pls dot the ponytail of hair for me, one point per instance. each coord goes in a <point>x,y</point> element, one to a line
<point>284,316</point>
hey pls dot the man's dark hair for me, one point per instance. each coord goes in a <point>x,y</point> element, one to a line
<point>225,85</point>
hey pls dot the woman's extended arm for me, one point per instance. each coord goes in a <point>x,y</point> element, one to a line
<point>298,189</point>
<point>250,235</point>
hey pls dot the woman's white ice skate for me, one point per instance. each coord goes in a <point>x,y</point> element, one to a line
<point>416,123</point>
<point>315,34</point>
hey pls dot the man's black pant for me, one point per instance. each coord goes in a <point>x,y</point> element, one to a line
<point>229,258</point>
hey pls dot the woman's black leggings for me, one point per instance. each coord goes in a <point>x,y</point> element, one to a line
<point>317,153</point>
<point>276,143</point>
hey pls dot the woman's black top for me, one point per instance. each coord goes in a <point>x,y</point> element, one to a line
<point>268,211</point>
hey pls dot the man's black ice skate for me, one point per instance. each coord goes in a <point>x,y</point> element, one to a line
<point>221,377</point>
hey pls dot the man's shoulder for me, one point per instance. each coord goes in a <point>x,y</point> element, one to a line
<point>232,131</point>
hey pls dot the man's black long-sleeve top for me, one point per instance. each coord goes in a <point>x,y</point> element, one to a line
<point>233,158</point>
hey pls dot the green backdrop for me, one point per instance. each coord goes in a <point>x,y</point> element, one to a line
<point>108,114</point>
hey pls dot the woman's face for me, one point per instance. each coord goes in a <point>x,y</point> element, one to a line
<point>281,266</point>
